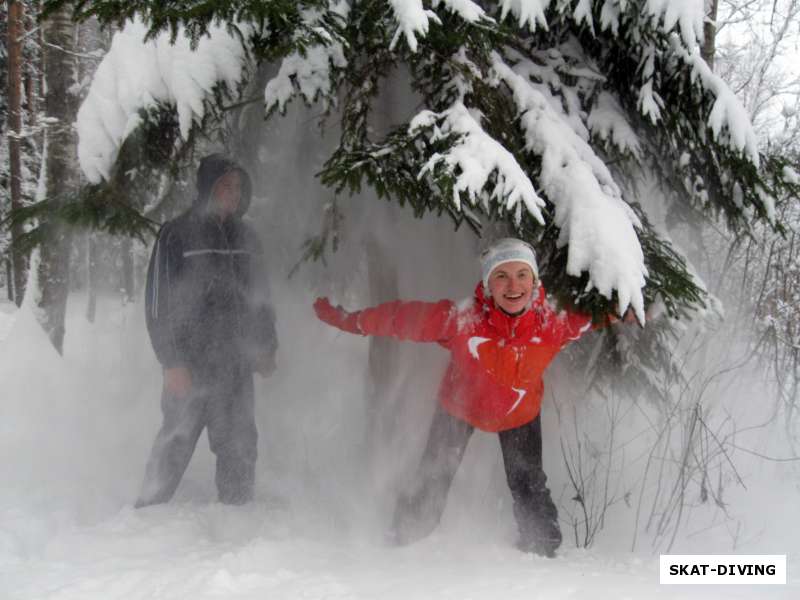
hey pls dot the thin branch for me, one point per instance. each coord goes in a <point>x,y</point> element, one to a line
<point>765,457</point>
<point>30,33</point>
<point>71,53</point>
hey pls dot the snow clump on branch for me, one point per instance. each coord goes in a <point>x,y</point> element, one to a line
<point>584,194</point>
<point>607,122</point>
<point>728,119</point>
<point>466,9</point>
<point>474,159</point>
<point>412,20</point>
<point>309,72</point>
<point>685,15</point>
<point>136,75</point>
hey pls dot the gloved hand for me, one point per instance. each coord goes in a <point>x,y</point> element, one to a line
<point>336,316</point>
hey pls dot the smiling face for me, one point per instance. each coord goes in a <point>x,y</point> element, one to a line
<point>227,193</point>
<point>511,286</point>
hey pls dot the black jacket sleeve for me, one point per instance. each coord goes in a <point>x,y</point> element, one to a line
<point>162,299</point>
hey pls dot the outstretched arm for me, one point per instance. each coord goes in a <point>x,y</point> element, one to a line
<point>414,321</point>
<point>566,326</point>
<point>336,316</point>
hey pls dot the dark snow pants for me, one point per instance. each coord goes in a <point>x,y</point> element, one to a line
<point>222,404</point>
<point>419,510</point>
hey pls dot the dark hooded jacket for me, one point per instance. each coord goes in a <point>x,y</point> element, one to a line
<point>207,299</point>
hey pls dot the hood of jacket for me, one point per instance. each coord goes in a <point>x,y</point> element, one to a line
<point>211,168</point>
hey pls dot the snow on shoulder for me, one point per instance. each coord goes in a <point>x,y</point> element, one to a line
<point>137,75</point>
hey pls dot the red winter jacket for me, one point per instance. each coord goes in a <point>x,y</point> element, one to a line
<point>494,379</point>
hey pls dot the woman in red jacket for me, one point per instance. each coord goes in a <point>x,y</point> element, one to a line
<point>500,343</point>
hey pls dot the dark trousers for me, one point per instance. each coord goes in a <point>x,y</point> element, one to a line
<point>419,509</point>
<point>225,407</point>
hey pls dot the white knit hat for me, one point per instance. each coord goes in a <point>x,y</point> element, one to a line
<point>507,250</point>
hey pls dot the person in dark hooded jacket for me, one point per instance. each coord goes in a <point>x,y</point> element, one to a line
<point>211,325</point>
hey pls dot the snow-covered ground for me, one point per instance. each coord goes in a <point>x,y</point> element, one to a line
<point>198,551</point>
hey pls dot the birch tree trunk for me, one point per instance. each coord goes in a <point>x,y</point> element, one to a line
<point>710,32</point>
<point>14,45</point>
<point>60,163</point>
<point>32,78</point>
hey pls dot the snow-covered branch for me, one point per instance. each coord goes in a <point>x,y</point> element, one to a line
<point>607,121</point>
<point>474,159</point>
<point>137,75</point>
<point>466,9</point>
<point>687,15</point>
<point>728,119</point>
<point>594,221</point>
<point>412,20</point>
<point>530,13</point>
<point>309,72</point>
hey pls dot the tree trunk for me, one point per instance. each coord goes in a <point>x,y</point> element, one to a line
<point>9,280</point>
<point>127,285</point>
<point>60,177</point>
<point>383,351</point>
<point>14,45</point>
<point>32,80</point>
<point>710,33</point>
<point>91,276</point>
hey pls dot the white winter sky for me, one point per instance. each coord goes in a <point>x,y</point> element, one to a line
<point>786,60</point>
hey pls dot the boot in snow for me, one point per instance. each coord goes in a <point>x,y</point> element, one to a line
<point>540,535</point>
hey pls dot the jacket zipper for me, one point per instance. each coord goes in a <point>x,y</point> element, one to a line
<point>233,281</point>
